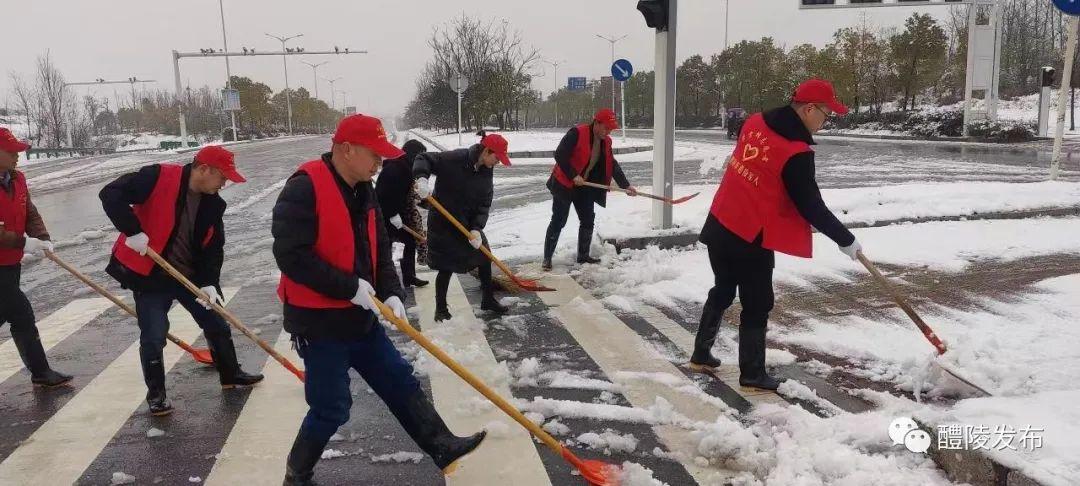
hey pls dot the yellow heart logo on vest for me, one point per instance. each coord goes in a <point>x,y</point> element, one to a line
<point>749,152</point>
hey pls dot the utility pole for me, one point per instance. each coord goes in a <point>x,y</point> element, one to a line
<point>612,40</point>
<point>288,95</point>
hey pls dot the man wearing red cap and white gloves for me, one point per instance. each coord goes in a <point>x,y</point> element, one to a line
<point>332,247</point>
<point>583,155</point>
<point>464,185</point>
<point>21,231</point>
<point>767,202</point>
<point>176,211</point>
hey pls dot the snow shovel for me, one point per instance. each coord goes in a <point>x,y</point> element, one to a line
<point>650,196</point>
<point>419,237</point>
<point>201,355</point>
<point>597,473</point>
<point>224,313</point>
<point>530,285</point>
<point>921,324</point>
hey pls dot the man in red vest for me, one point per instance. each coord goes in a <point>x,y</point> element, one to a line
<point>583,155</point>
<point>21,231</point>
<point>767,201</point>
<point>176,211</point>
<point>332,247</point>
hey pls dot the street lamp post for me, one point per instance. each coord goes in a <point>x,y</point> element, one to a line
<point>315,74</point>
<point>612,40</point>
<point>333,96</point>
<point>228,68</point>
<point>555,87</point>
<point>288,96</point>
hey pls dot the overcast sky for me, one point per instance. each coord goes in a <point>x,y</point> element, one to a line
<point>116,39</point>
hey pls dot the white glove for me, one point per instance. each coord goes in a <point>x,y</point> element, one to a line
<point>852,250</point>
<point>140,243</point>
<point>423,189</point>
<point>363,295</point>
<point>476,239</point>
<point>394,303</point>
<point>34,245</point>
<point>212,297</point>
<point>396,221</point>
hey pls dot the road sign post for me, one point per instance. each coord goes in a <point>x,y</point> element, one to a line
<point>621,71</point>
<point>459,83</point>
<point>1072,8</point>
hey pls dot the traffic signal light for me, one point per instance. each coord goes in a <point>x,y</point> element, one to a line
<point>655,13</point>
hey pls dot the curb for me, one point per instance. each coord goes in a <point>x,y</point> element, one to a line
<point>973,467</point>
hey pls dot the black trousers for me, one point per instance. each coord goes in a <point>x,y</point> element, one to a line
<point>583,203</point>
<point>14,306</point>
<point>748,274</point>
<point>442,284</point>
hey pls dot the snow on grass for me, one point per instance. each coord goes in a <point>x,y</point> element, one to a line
<point>519,233</point>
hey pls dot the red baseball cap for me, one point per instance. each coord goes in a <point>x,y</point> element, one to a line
<point>366,131</point>
<point>498,145</point>
<point>819,91</point>
<point>8,142</point>
<point>607,117</point>
<point>221,159</point>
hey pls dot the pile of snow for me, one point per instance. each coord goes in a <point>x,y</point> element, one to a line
<point>609,441</point>
<point>154,432</point>
<point>119,478</point>
<point>333,454</point>
<point>634,474</point>
<point>399,457</point>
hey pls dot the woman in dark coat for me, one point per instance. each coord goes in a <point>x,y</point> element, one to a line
<point>397,198</point>
<point>463,185</point>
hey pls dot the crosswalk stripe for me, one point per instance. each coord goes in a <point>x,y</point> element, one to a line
<point>64,446</point>
<point>728,374</point>
<point>53,329</point>
<point>622,354</point>
<point>259,442</point>
<point>508,458</point>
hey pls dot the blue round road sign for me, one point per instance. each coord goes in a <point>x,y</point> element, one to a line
<point>621,70</point>
<point>1071,7</point>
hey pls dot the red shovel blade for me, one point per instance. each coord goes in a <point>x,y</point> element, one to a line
<point>531,285</point>
<point>684,198</point>
<point>203,356</point>
<point>597,473</point>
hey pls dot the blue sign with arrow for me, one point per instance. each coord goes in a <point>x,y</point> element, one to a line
<point>1071,7</point>
<point>621,70</point>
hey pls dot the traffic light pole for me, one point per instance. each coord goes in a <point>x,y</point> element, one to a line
<point>664,120</point>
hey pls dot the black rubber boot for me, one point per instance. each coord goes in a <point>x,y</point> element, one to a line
<point>154,375</point>
<point>490,304</point>
<point>300,466</point>
<point>422,422</point>
<point>752,372</point>
<point>229,372</point>
<point>551,240</point>
<point>442,284</point>
<point>546,266</point>
<point>33,356</point>
<point>408,271</point>
<point>442,315</point>
<point>584,244</point>
<point>702,358</point>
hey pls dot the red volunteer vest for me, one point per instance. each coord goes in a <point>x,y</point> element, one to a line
<point>580,158</point>
<point>157,216</point>
<point>13,208</point>
<point>752,199</point>
<point>334,243</point>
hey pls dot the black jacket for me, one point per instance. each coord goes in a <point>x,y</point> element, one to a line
<point>295,228</point>
<point>801,185</point>
<point>598,175</point>
<point>466,191</point>
<point>135,188</point>
<point>394,187</point>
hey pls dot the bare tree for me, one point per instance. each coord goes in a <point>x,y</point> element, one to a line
<point>52,98</point>
<point>25,96</point>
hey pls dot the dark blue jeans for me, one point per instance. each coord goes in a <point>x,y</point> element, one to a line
<point>153,311</point>
<point>326,388</point>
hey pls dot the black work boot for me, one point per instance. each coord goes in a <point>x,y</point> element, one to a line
<point>752,372</point>
<point>583,246</point>
<point>229,372</point>
<point>702,358</point>
<point>300,466</point>
<point>442,314</point>
<point>546,266</point>
<point>422,422</point>
<point>33,356</point>
<point>408,273</point>
<point>491,304</point>
<point>551,240</point>
<point>154,375</point>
